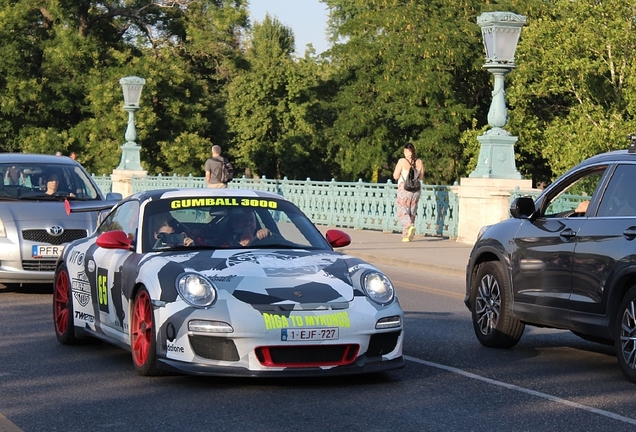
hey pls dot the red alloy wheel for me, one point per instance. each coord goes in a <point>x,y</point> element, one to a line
<point>142,334</point>
<point>61,303</point>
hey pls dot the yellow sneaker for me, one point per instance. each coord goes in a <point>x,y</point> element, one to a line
<point>411,232</point>
<point>405,239</point>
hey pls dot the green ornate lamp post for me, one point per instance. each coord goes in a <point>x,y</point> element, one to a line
<point>500,31</point>
<point>131,87</point>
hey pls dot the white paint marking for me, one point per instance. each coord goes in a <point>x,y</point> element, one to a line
<point>524,390</point>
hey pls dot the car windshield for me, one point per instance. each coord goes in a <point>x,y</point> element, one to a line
<point>45,182</point>
<point>225,223</point>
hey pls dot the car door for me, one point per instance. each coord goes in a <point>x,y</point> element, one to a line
<point>544,249</point>
<point>110,265</point>
<point>604,247</point>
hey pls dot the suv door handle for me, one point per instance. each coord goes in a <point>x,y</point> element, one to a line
<point>568,233</point>
<point>630,233</point>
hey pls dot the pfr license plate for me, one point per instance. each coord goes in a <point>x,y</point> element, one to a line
<point>309,334</point>
<point>46,251</point>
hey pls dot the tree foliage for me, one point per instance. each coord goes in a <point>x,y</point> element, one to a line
<point>270,107</point>
<point>406,72</point>
<point>64,60</point>
<point>398,71</point>
<point>573,91</point>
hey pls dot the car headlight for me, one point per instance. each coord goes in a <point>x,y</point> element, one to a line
<point>378,287</point>
<point>196,290</point>
<point>3,233</point>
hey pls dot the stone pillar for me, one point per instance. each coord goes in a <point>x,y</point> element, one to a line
<point>121,180</point>
<point>484,201</point>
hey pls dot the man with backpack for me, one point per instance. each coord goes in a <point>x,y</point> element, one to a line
<point>218,170</point>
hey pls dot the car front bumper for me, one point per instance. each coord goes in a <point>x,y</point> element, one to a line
<point>362,365</point>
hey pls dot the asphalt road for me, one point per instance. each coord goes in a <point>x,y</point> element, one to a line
<point>551,380</point>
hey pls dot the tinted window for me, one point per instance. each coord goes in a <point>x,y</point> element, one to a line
<point>50,181</point>
<point>124,218</point>
<point>219,222</point>
<point>620,197</point>
<point>571,194</point>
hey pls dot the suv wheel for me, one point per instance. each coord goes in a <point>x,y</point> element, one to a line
<point>625,335</point>
<point>490,306</point>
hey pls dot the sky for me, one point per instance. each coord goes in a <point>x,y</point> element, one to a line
<point>307,19</point>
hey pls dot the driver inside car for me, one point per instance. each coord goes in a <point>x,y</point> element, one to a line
<point>582,207</point>
<point>166,236</point>
<point>244,228</point>
<point>53,183</point>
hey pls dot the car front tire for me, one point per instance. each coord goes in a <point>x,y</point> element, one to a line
<point>142,335</point>
<point>63,308</point>
<point>493,323</point>
<point>625,335</point>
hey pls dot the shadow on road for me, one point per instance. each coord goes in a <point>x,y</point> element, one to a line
<point>40,288</point>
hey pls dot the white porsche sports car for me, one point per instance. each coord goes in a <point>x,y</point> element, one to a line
<point>225,282</point>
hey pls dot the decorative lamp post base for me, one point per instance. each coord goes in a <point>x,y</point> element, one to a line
<point>130,159</point>
<point>496,156</point>
<point>128,168</point>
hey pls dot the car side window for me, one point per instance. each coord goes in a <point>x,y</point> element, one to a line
<point>124,218</point>
<point>574,197</point>
<point>620,196</point>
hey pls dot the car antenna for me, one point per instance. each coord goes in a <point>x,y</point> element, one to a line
<point>632,143</point>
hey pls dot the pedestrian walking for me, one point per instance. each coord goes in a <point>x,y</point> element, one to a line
<point>216,175</point>
<point>408,172</point>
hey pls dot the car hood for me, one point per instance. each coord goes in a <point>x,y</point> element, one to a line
<point>42,214</point>
<point>267,278</point>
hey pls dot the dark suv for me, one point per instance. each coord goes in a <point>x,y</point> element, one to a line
<point>566,260</point>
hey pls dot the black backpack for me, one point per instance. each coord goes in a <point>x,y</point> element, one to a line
<point>412,182</point>
<point>226,174</point>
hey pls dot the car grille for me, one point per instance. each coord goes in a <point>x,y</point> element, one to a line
<point>307,356</point>
<point>39,265</point>
<point>382,343</point>
<point>41,236</point>
<point>214,348</point>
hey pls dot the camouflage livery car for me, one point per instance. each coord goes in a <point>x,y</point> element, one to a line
<point>226,282</point>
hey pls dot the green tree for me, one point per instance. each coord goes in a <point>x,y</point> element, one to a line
<point>573,91</point>
<point>272,105</point>
<point>64,59</point>
<point>406,71</point>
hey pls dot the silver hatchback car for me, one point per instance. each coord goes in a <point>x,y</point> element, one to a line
<point>34,225</point>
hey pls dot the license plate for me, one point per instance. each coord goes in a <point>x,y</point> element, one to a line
<point>46,251</point>
<point>309,334</point>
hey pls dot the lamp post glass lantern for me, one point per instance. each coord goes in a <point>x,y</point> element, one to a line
<point>131,87</point>
<point>500,32</point>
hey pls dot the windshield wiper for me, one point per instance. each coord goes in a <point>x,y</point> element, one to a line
<point>43,196</point>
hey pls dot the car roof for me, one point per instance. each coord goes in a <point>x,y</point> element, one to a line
<point>204,192</point>
<point>28,158</point>
<point>613,156</point>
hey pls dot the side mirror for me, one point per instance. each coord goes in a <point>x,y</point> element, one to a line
<point>337,238</point>
<point>522,208</point>
<point>114,240</point>
<point>114,196</point>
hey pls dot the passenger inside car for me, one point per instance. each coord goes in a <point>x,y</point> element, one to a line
<point>14,176</point>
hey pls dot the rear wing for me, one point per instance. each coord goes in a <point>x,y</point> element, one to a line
<point>88,206</point>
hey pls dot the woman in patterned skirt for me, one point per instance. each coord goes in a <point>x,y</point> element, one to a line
<point>407,201</point>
